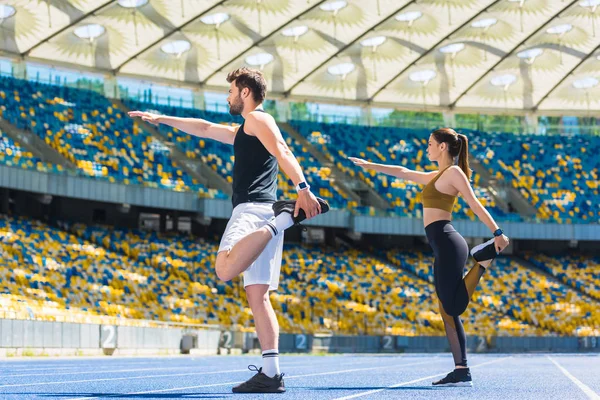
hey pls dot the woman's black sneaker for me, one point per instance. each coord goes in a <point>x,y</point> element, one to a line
<point>484,251</point>
<point>460,377</point>
<point>260,383</point>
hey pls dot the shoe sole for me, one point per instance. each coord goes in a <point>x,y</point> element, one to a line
<point>481,246</point>
<point>261,391</point>
<point>457,384</point>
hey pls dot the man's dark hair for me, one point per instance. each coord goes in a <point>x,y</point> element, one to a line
<point>252,79</point>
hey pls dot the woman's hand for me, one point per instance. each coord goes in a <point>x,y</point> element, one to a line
<point>501,243</point>
<point>360,162</point>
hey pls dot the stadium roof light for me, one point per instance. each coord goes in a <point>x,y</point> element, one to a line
<point>423,76</point>
<point>342,69</point>
<point>89,32</point>
<point>260,59</point>
<point>177,47</point>
<point>409,16</point>
<point>296,31</point>
<point>6,11</point>
<point>590,4</point>
<point>559,29</point>
<point>530,54</point>
<point>215,19</point>
<point>132,3</point>
<point>484,23</point>
<point>334,6</point>
<point>586,83</point>
<point>504,80</point>
<point>374,41</point>
<point>452,48</point>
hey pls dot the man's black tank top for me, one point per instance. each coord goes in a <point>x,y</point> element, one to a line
<point>254,170</point>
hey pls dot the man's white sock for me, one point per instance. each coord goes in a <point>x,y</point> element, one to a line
<point>270,360</point>
<point>280,223</point>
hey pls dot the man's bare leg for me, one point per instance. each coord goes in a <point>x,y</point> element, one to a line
<point>267,327</point>
<point>232,263</point>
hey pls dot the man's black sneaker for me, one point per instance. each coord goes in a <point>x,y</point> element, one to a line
<point>460,377</point>
<point>289,206</point>
<point>260,383</point>
<point>484,251</point>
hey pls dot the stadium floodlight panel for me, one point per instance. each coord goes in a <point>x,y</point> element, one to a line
<point>259,59</point>
<point>589,3</point>
<point>559,29</point>
<point>409,16</point>
<point>214,19</point>
<point>374,41</point>
<point>132,3</point>
<point>452,48</point>
<point>530,53</point>
<point>295,31</point>
<point>484,23</point>
<point>334,5</point>
<point>585,83</point>
<point>422,76</point>
<point>90,31</point>
<point>176,47</point>
<point>341,69</point>
<point>6,11</point>
<point>503,80</point>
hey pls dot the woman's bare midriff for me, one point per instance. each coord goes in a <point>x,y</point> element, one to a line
<point>431,215</point>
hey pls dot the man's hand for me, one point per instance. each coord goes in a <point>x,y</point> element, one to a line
<point>151,118</point>
<point>308,202</point>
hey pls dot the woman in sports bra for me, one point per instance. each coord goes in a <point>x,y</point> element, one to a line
<point>449,247</point>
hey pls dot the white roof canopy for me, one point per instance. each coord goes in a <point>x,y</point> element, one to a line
<point>531,55</point>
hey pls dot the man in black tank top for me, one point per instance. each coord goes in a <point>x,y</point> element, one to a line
<point>253,240</point>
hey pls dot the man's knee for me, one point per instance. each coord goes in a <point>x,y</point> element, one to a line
<point>221,267</point>
<point>257,298</point>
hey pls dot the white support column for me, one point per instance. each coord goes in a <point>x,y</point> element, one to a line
<point>19,69</point>
<point>532,122</point>
<point>283,110</point>
<point>366,116</point>
<point>111,87</point>
<point>199,99</point>
<point>449,119</point>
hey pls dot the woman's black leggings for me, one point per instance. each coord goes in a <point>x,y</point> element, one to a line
<point>454,293</point>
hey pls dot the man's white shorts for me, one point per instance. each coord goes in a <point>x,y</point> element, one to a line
<point>245,219</point>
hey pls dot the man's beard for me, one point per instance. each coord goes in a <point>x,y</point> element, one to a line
<point>236,107</point>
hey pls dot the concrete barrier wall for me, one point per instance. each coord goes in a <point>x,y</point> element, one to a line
<point>111,339</point>
<point>41,337</point>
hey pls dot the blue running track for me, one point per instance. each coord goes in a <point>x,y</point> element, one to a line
<point>406,376</point>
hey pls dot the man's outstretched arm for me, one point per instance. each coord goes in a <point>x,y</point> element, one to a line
<point>193,126</point>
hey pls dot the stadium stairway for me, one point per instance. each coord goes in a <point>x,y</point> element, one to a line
<point>520,204</point>
<point>35,145</point>
<point>198,170</point>
<point>528,264</point>
<point>349,185</point>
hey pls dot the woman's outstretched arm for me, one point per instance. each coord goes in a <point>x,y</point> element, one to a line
<point>419,177</point>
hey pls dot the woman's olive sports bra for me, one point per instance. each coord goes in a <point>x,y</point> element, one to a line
<point>433,198</point>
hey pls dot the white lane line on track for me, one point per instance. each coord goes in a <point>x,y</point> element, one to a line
<point>584,388</point>
<point>287,377</point>
<point>285,364</point>
<point>119,379</point>
<point>137,377</point>
<point>104,367</point>
<point>413,381</point>
<point>129,370</point>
